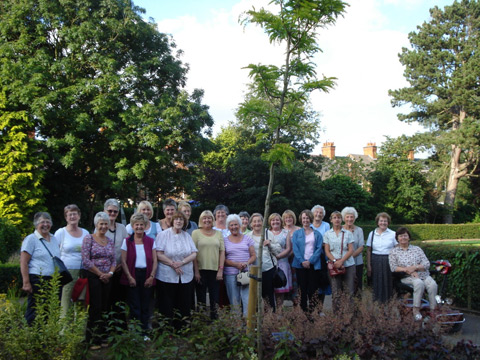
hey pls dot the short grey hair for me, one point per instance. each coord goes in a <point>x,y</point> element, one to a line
<point>39,216</point>
<point>111,202</point>
<point>318,207</point>
<point>101,216</point>
<point>220,208</point>
<point>244,214</point>
<point>233,217</point>
<point>169,202</point>
<point>349,210</point>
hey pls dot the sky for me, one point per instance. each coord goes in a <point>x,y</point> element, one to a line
<point>360,50</point>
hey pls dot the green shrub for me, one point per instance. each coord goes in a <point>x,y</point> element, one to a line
<point>10,277</point>
<point>50,336</point>
<point>464,280</point>
<point>424,232</point>
<point>10,239</point>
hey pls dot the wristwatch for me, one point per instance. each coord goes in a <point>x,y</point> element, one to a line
<point>111,273</point>
<point>334,260</point>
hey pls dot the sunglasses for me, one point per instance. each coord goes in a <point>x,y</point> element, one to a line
<point>112,211</point>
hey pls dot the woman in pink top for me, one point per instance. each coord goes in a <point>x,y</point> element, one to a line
<point>239,255</point>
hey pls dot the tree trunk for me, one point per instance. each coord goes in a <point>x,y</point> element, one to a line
<point>457,171</point>
<point>266,214</point>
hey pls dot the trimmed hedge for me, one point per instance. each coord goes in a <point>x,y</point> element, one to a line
<point>463,282</point>
<point>434,231</point>
<point>10,277</point>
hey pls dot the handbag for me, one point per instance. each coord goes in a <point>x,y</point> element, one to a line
<point>242,278</point>
<point>65,276</point>
<point>80,291</point>
<point>332,270</point>
<point>279,277</point>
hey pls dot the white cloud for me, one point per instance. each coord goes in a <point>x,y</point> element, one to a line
<point>357,50</point>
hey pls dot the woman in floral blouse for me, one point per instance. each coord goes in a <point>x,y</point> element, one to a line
<point>412,261</point>
<point>98,258</point>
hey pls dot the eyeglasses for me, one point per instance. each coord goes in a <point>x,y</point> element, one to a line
<point>112,211</point>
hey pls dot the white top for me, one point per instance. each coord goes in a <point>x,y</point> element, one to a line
<point>176,247</point>
<point>70,248</point>
<point>41,263</point>
<point>382,243</point>
<point>141,258</point>
<point>335,242</point>
<point>225,232</point>
<point>275,248</point>
<point>152,231</point>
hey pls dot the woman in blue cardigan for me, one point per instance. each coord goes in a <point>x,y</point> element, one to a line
<point>307,245</point>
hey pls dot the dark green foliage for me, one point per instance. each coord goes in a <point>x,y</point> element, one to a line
<point>237,168</point>
<point>10,277</point>
<point>464,281</point>
<point>10,239</point>
<point>340,191</point>
<point>400,187</point>
<point>423,232</point>
<point>104,91</point>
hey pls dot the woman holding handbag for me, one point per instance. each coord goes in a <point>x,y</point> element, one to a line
<point>281,236</point>
<point>271,248</point>
<point>339,249</point>
<point>36,259</point>
<point>239,255</point>
<point>71,239</point>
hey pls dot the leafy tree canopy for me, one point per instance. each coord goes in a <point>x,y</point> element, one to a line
<point>103,91</point>
<point>443,70</point>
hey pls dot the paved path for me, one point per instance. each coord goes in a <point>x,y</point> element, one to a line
<point>470,330</point>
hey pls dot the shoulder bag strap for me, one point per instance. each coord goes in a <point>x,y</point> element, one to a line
<point>46,248</point>
<point>341,247</point>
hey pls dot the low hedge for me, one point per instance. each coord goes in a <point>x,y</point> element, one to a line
<point>10,277</point>
<point>463,282</point>
<point>434,231</point>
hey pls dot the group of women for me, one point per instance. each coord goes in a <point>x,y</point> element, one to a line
<point>179,258</point>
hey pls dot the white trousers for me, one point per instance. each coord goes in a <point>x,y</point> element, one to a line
<point>419,287</point>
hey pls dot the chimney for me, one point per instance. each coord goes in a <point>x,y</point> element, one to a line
<point>328,150</point>
<point>411,155</point>
<point>370,150</point>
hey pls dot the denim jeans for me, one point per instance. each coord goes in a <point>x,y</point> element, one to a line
<point>236,294</point>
